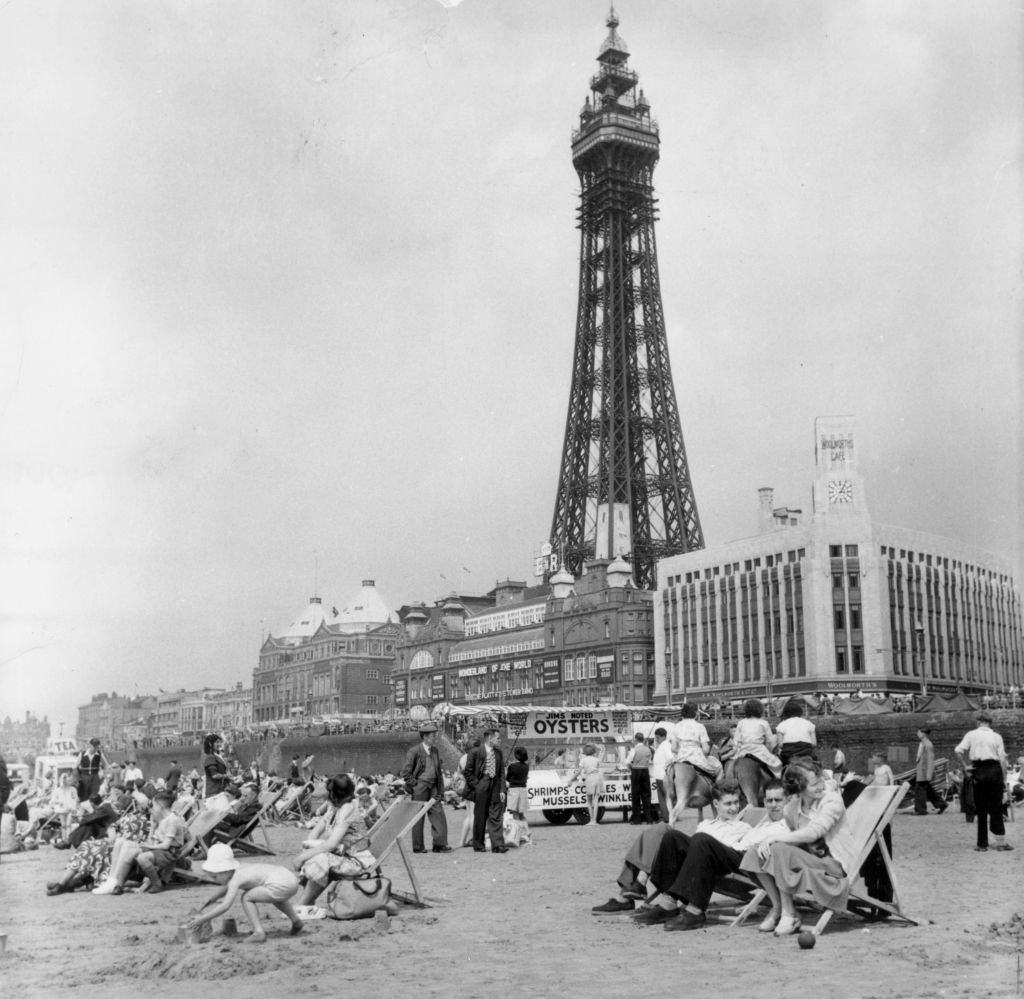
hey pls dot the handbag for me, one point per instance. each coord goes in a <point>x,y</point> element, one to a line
<point>358,898</point>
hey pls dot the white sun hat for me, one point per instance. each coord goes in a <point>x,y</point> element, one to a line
<point>219,859</point>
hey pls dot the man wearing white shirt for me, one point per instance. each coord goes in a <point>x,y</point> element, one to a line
<point>984,757</point>
<point>659,763</point>
<point>698,861</point>
<point>132,773</point>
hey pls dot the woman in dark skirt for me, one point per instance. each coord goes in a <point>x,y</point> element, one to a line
<point>214,766</point>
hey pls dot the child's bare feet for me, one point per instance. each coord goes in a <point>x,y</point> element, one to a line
<point>255,937</point>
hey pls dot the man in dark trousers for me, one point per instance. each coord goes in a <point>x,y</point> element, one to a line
<point>485,786</point>
<point>924,790</point>
<point>91,764</point>
<point>639,763</point>
<point>173,777</point>
<point>425,781</point>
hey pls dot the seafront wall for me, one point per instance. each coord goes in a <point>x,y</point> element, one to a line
<point>367,753</point>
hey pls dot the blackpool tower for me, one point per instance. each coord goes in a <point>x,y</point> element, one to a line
<point>624,486</point>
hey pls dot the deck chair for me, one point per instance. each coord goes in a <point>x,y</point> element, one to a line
<point>385,836</point>
<point>863,826</point>
<point>199,826</point>
<point>940,779</point>
<point>740,886</point>
<point>242,840</point>
<point>291,801</point>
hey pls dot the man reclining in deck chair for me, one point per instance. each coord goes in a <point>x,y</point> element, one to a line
<point>687,867</point>
<point>244,810</point>
<point>808,856</point>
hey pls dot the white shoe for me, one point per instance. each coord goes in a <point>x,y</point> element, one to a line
<point>107,888</point>
<point>788,925</point>
<point>768,924</point>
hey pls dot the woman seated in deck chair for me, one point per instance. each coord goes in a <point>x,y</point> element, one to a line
<point>801,860</point>
<point>343,850</point>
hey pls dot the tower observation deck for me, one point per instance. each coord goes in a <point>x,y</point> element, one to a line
<point>624,485</point>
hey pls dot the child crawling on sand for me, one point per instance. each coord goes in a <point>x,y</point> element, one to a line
<point>257,883</point>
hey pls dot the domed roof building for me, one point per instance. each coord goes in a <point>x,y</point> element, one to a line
<point>364,612</point>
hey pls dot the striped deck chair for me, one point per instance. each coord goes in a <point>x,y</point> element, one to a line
<point>940,781</point>
<point>862,828</point>
<point>289,805</point>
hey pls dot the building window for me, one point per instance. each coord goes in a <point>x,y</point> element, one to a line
<point>854,616</point>
<point>858,659</point>
<point>835,551</point>
<point>851,551</point>
<point>839,618</point>
<point>371,698</point>
<point>373,674</point>
<point>840,659</point>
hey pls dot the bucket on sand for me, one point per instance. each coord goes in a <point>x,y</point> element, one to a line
<point>229,927</point>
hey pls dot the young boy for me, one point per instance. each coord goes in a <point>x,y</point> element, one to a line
<point>257,883</point>
<point>882,774</point>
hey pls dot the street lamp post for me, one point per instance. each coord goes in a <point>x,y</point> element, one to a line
<point>919,638</point>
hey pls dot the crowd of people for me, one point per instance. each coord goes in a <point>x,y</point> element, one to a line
<point>127,831</point>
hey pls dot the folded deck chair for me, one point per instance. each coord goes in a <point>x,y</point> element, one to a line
<point>861,830</point>
<point>385,836</point>
<point>940,779</point>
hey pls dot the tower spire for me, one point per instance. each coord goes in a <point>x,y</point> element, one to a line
<point>624,487</point>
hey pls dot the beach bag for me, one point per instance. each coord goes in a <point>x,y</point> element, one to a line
<point>358,898</point>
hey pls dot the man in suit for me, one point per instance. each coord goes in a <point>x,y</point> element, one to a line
<point>244,810</point>
<point>424,780</point>
<point>924,790</point>
<point>173,777</point>
<point>485,785</point>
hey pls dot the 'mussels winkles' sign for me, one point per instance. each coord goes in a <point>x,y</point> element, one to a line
<point>547,789</point>
<point>582,723</point>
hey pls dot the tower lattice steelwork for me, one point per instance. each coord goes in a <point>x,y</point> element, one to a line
<point>624,485</point>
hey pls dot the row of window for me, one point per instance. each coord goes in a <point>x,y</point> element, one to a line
<point>944,562</point>
<point>504,620</point>
<point>749,565</point>
<point>496,650</point>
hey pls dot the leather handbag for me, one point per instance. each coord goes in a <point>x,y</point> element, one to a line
<point>358,898</point>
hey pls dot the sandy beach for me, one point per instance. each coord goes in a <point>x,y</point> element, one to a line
<point>521,923</point>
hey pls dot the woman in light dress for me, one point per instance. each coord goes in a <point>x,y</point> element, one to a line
<point>589,772</point>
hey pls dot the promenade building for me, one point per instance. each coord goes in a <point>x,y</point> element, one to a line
<point>106,716</point>
<point>568,642</point>
<point>327,665</point>
<point>836,603</point>
<point>22,739</point>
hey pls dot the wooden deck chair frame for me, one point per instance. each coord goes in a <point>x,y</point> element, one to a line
<point>244,841</point>
<point>386,835</point>
<point>199,826</point>
<point>285,803</point>
<point>885,801</point>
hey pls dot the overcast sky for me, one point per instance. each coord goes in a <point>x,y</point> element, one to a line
<point>288,283</point>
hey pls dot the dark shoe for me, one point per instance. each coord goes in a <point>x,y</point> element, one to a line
<point>479,849</point>
<point>55,889</point>
<point>1003,847</point>
<point>419,849</point>
<point>153,889</point>
<point>499,849</point>
<point>942,809</point>
<point>614,905</point>
<point>981,849</point>
<point>118,890</point>
<point>635,890</point>
<point>655,914</point>
<point>442,849</point>
<point>687,921</point>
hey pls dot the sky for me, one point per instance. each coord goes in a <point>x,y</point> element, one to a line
<point>290,291</point>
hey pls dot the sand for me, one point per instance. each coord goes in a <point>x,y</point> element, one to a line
<point>520,923</point>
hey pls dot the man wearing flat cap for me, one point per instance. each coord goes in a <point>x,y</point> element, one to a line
<point>424,779</point>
